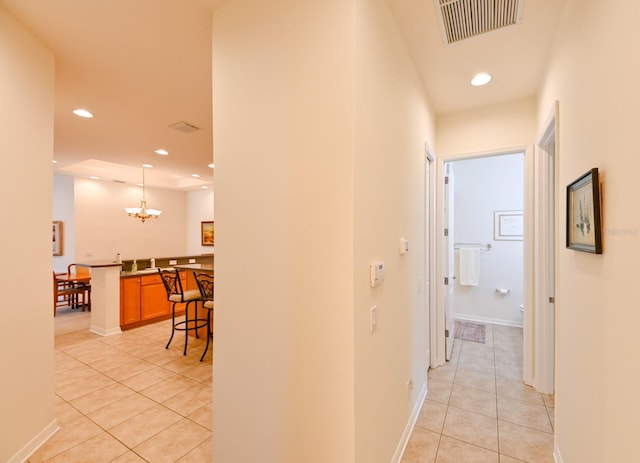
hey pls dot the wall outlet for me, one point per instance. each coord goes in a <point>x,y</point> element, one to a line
<point>173,262</point>
<point>88,253</point>
<point>192,261</point>
<point>410,386</point>
<point>373,318</point>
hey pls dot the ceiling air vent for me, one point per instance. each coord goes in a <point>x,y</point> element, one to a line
<point>184,127</point>
<point>462,19</point>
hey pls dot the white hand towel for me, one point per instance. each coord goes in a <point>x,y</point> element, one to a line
<point>469,266</point>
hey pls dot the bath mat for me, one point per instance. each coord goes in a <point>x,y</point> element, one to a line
<point>469,331</point>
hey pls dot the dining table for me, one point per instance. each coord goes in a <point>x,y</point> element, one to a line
<point>75,279</point>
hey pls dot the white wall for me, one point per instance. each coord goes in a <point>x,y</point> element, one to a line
<point>63,211</point>
<point>26,142</point>
<point>593,72</point>
<point>483,186</point>
<point>102,227</point>
<point>319,144</point>
<point>393,121</point>
<point>199,209</point>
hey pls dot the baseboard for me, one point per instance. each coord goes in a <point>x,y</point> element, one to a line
<point>103,332</point>
<point>493,321</point>
<point>556,455</point>
<point>406,435</point>
<point>34,444</point>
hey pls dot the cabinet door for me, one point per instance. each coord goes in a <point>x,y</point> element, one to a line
<point>153,299</point>
<point>130,300</point>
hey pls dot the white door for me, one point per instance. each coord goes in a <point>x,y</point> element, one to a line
<point>448,257</point>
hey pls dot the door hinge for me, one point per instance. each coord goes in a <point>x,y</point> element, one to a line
<point>446,232</point>
<point>446,333</point>
<point>446,280</point>
<point>552,300</point>
<point>446,180</point>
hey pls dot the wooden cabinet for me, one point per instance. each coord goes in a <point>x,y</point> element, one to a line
<point>129,300</point>
<point>153,298</point>
<point>143,300</point>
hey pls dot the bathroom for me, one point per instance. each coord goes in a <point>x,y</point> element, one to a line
<point>488,239</point>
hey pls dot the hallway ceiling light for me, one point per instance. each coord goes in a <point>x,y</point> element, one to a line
<point>211,165</point>
<point>162,152</point>
<point>481,79</point>
<point>82,113</point>
<point>142,212</point>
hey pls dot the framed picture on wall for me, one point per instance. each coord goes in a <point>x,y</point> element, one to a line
<point>508,225</point>
<point>584,229</point>
<point>58,238</point>
<point>207,233</point>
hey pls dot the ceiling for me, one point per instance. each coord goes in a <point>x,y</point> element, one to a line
<point>141,66</point>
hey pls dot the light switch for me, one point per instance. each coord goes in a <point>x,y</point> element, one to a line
<point>404,245</point>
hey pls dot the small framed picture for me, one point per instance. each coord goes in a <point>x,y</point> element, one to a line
<point>584,225</point>
<point>207,233</point>
<point>58,239</point>
<point>508,225</point>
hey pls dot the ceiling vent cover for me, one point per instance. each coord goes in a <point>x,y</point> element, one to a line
<point>462,19</point>
<point>184,127</point>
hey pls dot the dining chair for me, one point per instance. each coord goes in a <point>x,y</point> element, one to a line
<point>176,295</point>
<point>205,285</point>
<point>68,293</point>
<point>86,286</point>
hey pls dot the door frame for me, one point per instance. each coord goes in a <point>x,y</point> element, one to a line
<point>539,345</point>
<point>437,326</point>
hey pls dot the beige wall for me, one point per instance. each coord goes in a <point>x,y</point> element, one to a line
<point>487,129</point>
<point>594,72</point>
<point>283,106</point>
<point>26,139</point>
<point>392,123</point>
<point>310,147</point>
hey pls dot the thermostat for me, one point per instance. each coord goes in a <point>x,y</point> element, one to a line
<point>376,272</point>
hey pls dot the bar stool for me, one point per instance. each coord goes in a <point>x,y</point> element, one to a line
<point>205,285</point>
<point>176,295</point>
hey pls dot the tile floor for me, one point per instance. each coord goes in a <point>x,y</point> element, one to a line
<point>478,410</point>
<point>125,398</point>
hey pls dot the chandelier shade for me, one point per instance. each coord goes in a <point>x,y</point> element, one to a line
<point>143,212</point>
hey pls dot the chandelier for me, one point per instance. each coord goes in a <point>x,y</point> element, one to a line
<point>143,212</point>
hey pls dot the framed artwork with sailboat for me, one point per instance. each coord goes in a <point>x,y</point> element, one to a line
<point>584,214</point>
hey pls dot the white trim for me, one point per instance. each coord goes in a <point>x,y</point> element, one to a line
<point>105,332</point>
<point>34,444</point>
<point>529,269</point>
<point>492,321</point>
<point>437,327</point>
<point>406,435</point>
<point>556,454</point>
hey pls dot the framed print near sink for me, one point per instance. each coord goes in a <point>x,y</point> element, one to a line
<point>207,233</point>
<point>57,238</point>
<point>584,224</point>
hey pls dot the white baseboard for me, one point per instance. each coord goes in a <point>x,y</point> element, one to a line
<point>103,332</point>
<point>556,455</point>
<point>34,444</point>
<point>406,435</point>
<point>493,321</point>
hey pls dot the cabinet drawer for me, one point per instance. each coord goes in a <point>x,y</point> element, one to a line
<point>151,280</point>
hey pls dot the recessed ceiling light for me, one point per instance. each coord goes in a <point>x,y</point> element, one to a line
<point>195,175</point>
<point>211,165</point>
<point>82,113</point>
<point>205,187</point>
<point>55,162</point>
<point>148,166</point>
<point>93,177</point>
<point>162,152</point>
<point>480,79</point>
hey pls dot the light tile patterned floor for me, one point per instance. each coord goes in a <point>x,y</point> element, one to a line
<point>125,398</point>
<point>478,410</point>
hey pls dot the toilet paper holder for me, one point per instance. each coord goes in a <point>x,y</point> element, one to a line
<point>503,291</point>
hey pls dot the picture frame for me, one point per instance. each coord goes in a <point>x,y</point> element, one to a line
<point>508,225</point>
<point>584,215</point>
<point>57,238</point>
<point>207,233</point>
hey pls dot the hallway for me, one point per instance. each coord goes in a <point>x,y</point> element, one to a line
<point>478,410</point>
